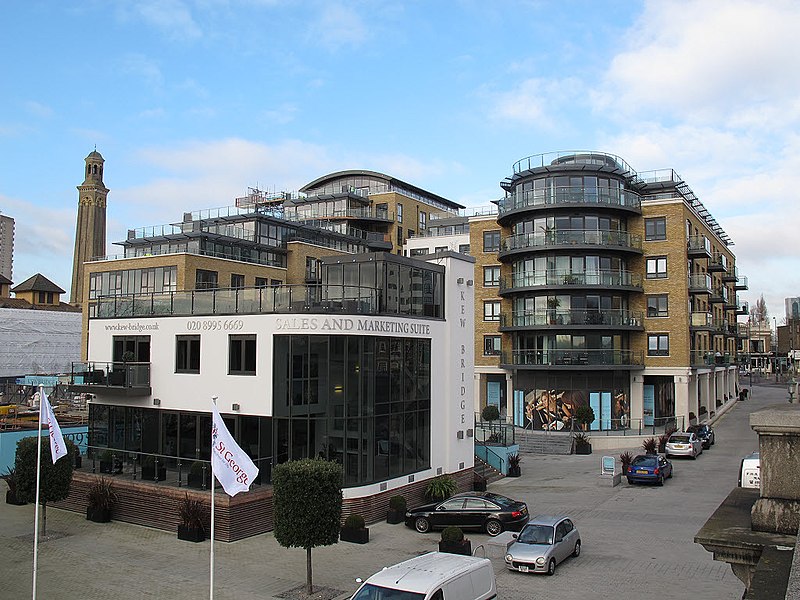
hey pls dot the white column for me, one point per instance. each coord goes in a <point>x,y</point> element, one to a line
<point>637,400</point>
<point>510,396</point>
<point>682,399</point>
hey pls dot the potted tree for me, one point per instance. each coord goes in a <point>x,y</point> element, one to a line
<point>397,509</point>
<point>101,500</point>
<point>354,530</point>
<point>582,445</point>
<point>198,475</point>
<point>513,465</point>
<point>453,542</point>
<point>11,494</point>
<point>626,458</point>
<point>149,464</point>
<point>192,513</point>
<point>490,414</point>
<point>584,414</point>
<point>650,445</point>
<point>109,463</point>
<point>440,487</point>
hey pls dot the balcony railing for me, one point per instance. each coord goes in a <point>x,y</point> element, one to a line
<point>700,283</point>
<point>558,278</point>
<point>316,211</point>
<point>741,282</point>
<point>573,157</point>
<point>743,309</point>
<point>121,375</point>
<point>605,358</point>
<point>701,320</point>
<point>327,298</point>
<point>699,245</point>
<point>567,195</point>
<point>581,317</point>
<point>718,262</point>
<point>709,359</point>
<point>719,295</point>
<point>569,237</point>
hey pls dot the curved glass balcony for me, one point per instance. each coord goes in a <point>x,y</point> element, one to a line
<point>572,358</point>
<point>574,317</point>
<point>573,157</point>
<point>625,279</point>
<point>570,196</point>
<point>620,240</point>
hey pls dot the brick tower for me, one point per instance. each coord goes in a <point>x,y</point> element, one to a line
<point>90,231</point>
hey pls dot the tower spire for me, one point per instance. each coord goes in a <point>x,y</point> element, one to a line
<point>90,230</point>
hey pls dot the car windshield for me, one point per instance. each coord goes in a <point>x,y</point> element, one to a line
<point>644,461</point>
<point>500,500</point>
<point>536,534</point>
<point>374,592</point>
<point>679,439</point>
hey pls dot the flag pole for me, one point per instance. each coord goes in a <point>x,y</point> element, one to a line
<point>211,582</point>
<point>36,505</point>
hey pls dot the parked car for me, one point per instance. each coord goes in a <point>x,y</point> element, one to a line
<point>704,433</point>
<point>684,443</point>
<point>750,471</point>
<point>652,468</point>
<point>484,511</point>
<point>544,543</point>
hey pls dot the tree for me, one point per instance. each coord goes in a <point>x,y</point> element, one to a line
<point>305,519</point>
<point>584,414</point>
<point>759,313</point>
<point>55,478</point>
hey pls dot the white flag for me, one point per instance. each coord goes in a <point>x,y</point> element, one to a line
<point>57,446</point>
<point>232,467</point>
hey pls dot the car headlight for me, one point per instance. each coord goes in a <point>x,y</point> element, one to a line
<point>540,561</point>
<point>509,558</point>
<point>408,514</point>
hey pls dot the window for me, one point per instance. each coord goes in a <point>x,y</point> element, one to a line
<point>491,310</point>
<point>261,282</point>
<point>440,249</point>
<point>275,282</point>
<point>658,344</point>
<point>657,267</point>
<point>423,218</point>
<point>658,306</point>
<point>206,280</point>
<point>491,345</point>
<point>491,276</point>
<point>237,281</point>
<point>655,229</point>
<point>399,236</point>
<point>410,233</point>
<point>463,248</point>
<point>242,355</point>
<point>491,241</point>
<point>419,251</point>
<point>45,297</point>
<point>313,269</point>
<point>187,354</point>
<point>399,213</point>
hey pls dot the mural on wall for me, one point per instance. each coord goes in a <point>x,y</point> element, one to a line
<point>552,410</point>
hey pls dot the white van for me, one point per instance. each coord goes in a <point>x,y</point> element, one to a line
<point>432,576</point>
<point>750,471</point>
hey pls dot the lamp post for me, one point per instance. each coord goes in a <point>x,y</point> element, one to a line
<point>775,345</point>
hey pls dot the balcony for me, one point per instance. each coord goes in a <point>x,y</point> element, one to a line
<point>706,358</point>
<point>732,302</point>
<point>743,309</point>
<point>572,319</point>
<point>116,378</point>
<point>741,283</point>
<point>573,359</point>
<point>699,246</point>
<point>625,280</point>
<point>731,275</point>
<point>717,263</point>
<point>567,196</point>
<point>701,321</point>
<point>699,283</point>
<point>572,239</point>
<point>719,295</point>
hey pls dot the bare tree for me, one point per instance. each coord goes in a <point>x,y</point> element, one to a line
<point>759,313</point>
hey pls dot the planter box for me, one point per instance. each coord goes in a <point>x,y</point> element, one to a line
<point>11,498</point>
<point>98,515</point>
<point>464,548</point>
<point>191,534</point>
<point>514,471</point>
<point>395,516</point>
<point>357,536</point>
<point>149,473</point>
<point>583,448</point>
<point>111,468</point>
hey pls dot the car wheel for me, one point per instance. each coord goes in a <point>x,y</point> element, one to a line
<point>494,527</point>
<point>694,456</point>
<point>551,567</point>
<point>660,480</point>
<point>577,552</point>
<point>630,481</point>
<point>670,474</point>
<point>422,525</point>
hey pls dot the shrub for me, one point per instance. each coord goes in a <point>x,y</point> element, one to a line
<point>650,445</point>
<point>106,456</point>
<point>197,468</point>
<point>11,479</point>
<point>581,439</point>
<point>662,442</point>
<point>440,487</point>
<point>490,413</point>
<point>514,460</point>
<point>626,458</point>
<point>192,512</point>
<point>398,503</point>
<point>101,495</point>
<point>452,535</point>
<point>354,522</point>
<point>584,414</point>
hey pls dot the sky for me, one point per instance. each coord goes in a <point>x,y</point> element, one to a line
<point>191,102</point>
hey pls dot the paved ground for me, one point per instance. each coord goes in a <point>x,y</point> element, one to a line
<point>637,541</point>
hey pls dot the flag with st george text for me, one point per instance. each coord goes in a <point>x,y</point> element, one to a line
<point>46,417</point>
<point>231,466</point>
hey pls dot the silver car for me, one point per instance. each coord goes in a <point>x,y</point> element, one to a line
<point>683,444</point>
<point>542,544</point>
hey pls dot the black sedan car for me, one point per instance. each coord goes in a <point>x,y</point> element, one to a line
<point>704,433</point>
<point>483,511</point>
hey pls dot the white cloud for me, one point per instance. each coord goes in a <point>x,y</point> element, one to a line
<point>143,68</point>
<point>537,102</point>
<point>38,109</point>
<point>338,26</point>
<point>172,17</point>
<point>282,114</point>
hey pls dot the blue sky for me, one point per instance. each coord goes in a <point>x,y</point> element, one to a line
<point>192,101</point>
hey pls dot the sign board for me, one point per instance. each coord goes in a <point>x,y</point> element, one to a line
<point>607,466</point>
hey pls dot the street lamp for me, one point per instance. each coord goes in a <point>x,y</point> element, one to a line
<point>775,345</point>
